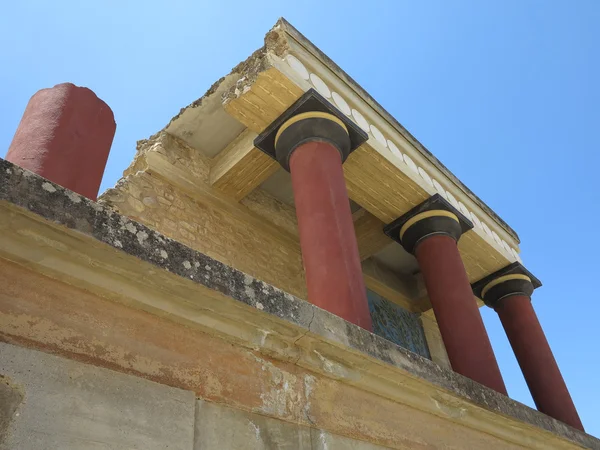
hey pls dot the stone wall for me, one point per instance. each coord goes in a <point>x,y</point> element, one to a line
<point>167,187</point>
<point>50,403</point>
<point>83,283</point>
<point>56,317</point>
<point>69,405</point>
<point>200,217</point>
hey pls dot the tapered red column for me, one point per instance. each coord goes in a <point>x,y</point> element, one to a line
<point>509,293</point>
<point>329,248</point>
<point>312,140</point>
<point>65,136</point>
<point>456,311</point>
<point>431,232</point>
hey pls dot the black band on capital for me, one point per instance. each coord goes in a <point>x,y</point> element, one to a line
<point>310,128</point>
<point>511,280</point>
<point>435,216</point>
<point>430,225</point>
<point>507,288</point>
<point>311,118</point>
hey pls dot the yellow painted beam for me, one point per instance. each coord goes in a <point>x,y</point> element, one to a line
<point>241,167</point>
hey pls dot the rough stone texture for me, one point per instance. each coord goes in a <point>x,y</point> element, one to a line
<point>10,398</point>
<point>59,205</point>
<point>204,224</point>
<point>321,440</point>
<point>39,311</point>
<point>435,344</point>
<point>220,427</point>
<point>226,428</point>
<point>69,405</point>
<point>28,191</point>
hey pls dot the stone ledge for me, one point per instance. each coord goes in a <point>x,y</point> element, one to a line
<point>317,340</point>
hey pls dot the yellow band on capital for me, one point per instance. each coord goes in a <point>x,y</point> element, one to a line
<point>497,281</point>
<point>309,115</point>
<point>425,215</point>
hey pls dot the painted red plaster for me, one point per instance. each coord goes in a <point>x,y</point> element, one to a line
<point>65,136</point>
<point>537,362</point>
<point>456,311</point>
<point>327,238</point>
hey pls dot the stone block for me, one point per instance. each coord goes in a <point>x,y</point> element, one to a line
<point>321,440</point>
<point>219,427</point>
<point>223,428</point>
<point>10,399</point>
<point>69,405</point>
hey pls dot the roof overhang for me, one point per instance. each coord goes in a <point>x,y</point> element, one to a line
<point>388,175</point>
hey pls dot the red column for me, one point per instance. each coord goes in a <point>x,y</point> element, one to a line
<point>538,365</point>
<point>327,238</point>
<point>65,136</point>
<point>456,311</point>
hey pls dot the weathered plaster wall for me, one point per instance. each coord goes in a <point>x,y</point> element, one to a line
<point>203,219</point>
<point>211,223</point>
<point>219,427</point>
<point>69,405</point>
<point>43,313</point>
<point>51,403</point>
<point>226,336</point>
<point>167,187</point>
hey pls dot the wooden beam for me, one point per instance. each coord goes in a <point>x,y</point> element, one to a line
<point>241,167</point>
<point>268,97</point>
<point>373,180</point>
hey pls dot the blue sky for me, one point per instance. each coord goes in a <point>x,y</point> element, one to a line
<point>505,93</point>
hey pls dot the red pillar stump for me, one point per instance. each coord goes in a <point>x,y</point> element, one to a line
<point>431,232</point>
<point>65,136</point>
<point>327,238</point>
<point>509,293</point>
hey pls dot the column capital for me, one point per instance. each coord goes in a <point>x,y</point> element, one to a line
<point>513,279</point>
<point>310,118</point>
<point>434,216</point>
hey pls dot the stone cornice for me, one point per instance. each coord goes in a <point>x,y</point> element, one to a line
<point>59,233</point>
